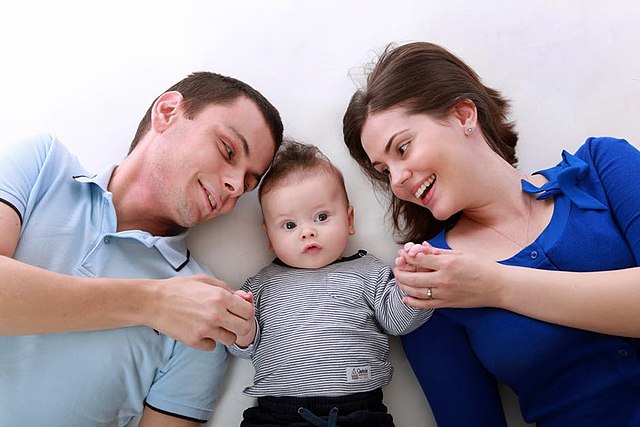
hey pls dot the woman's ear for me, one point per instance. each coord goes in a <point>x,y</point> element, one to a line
<point>466,114</point>
<point>165,109</point>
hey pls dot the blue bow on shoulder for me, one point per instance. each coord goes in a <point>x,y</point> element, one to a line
<point>562,180</point>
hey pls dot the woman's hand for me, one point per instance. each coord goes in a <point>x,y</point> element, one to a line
<point>433,278</point>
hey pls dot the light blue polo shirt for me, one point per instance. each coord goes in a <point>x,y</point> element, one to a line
<point>99,378</point>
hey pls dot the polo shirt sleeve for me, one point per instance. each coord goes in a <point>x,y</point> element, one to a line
<point>189,384</point>
<point>21,164</point>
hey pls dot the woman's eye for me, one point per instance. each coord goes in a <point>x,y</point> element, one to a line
<point>402,148</point>
<point>321,217</point>
<point>289,225</point>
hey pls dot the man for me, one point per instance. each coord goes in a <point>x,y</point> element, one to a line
<point>95,276</point>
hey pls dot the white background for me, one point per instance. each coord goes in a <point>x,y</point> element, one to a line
<point>87,73</point>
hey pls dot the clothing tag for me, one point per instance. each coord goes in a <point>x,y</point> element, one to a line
<point>357,374</point>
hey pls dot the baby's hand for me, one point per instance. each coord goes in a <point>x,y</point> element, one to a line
<point>410,250</point>
<point>247,296</point>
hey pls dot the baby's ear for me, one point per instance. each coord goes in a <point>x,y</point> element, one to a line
<point>270,247</point>
<point>350,215</point>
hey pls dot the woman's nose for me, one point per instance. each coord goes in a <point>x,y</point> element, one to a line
<point>399,177</point>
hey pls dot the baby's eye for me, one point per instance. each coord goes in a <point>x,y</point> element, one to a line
<point>321,217</point>
<point>289,225</point>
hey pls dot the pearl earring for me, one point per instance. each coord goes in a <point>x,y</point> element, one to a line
<point>469,130</point>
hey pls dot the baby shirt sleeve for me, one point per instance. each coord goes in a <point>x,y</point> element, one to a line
<point>247,352</point>
<point>395,317</point>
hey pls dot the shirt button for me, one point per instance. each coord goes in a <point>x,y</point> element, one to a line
<point>622,352</point>
<point>107,239</point>
<point>533,254</point>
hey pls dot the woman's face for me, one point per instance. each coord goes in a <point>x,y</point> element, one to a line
<point>421,157</point>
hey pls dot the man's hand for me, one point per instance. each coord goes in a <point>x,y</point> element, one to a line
<point>200,310</point>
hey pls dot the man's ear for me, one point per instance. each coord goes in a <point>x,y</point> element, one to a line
<point>466,114</point>
<point>165,109</point>
<point>350,216</point>
<point>264,227</point>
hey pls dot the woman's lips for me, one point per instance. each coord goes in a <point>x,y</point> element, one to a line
<point>425,187</point>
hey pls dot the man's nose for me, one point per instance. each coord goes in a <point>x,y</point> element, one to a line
<point>234,184</point>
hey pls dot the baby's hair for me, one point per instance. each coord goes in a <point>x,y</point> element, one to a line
<point>294,161</point>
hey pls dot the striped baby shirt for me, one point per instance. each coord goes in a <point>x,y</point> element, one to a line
<point>323,332</point>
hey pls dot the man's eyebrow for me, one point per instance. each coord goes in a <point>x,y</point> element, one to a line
<point>387,147</point>
<point>245,147</point>
<point>242,139</point>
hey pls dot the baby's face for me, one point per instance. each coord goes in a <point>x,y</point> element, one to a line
<point>308,221</point>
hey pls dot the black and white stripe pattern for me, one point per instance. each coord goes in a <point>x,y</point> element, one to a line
<point>323,331</point>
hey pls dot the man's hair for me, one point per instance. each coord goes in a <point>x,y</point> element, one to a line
<point>293,162</point>
<point>201,89</point>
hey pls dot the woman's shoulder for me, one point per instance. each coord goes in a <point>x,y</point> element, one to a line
<point>596,147</point>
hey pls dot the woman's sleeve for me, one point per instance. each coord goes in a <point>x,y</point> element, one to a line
<point>459,390</point>
<point>617,164</point>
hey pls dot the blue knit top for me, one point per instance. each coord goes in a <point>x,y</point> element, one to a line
<point>563,377</point>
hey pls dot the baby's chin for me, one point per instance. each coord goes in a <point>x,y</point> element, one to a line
<point>311,261</point>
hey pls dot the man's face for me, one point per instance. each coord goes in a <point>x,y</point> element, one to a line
<point>206,163</point>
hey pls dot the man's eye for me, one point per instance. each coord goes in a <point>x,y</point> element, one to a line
<point>229,151</point>
<point>289,225</point>
<point>321,217</point>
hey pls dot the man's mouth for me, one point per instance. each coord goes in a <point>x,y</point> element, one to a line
<point>212,200</point>
<point>425,187</point>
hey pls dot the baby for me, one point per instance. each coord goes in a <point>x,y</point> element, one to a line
<point>320,349</point>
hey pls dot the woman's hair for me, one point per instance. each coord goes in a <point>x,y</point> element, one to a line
<point>424,78</point>
<point>293,162</point>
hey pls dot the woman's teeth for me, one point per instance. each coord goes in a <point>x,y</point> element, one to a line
<point>421,191</point>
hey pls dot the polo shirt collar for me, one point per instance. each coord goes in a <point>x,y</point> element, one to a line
<point>101,180</point>
<point>172,248</point>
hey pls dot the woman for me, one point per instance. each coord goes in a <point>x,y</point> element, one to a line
<point>536,277</point>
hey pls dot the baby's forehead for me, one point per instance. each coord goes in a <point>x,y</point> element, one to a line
<point>328,178</point>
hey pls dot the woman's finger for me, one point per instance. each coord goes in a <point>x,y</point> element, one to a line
<point>421,303</point>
